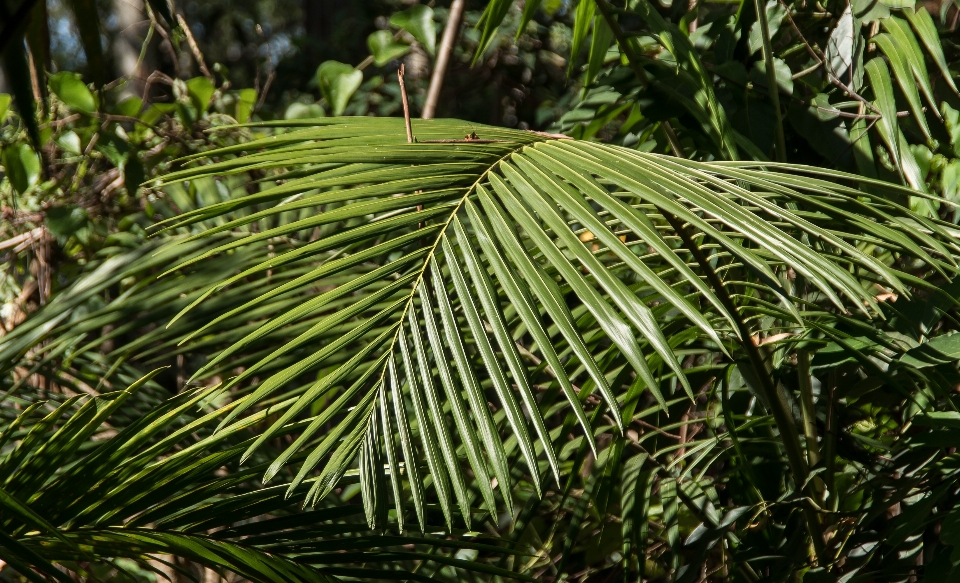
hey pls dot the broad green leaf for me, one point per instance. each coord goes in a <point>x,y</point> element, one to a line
<point>200,90</point>
<point>64,221</point>
<point>4,105</point>
<point>893,50</point>
<point>950,419</point>
<point>418,21</point>
<point>338,82</point>
<point>131,106</point>
<point>73,92</point>
<point>385,48</point>
<point>775,15</point>
<point>938,350</point>
<point>246,99</point>
<point>678,44</point>
<point>582,19</point>
<point>912,56</point>
<point>879,76</point>
<point>862,151</point>
<point>529,10</point>
<point>782,72</point>
<point>599,45</point>
<point>840,45</point>
<point>869,10</point>
<point>22,166</point>
<point>490,21</point>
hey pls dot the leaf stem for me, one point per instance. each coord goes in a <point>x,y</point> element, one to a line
<point>830,441</point>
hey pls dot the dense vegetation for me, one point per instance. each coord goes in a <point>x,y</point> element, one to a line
<point>667,293</point>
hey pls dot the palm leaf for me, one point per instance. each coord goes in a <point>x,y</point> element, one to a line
<point>79,490</point>
<point>521,247</point>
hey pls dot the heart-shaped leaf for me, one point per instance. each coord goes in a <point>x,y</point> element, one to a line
<point>338,82</point>
<point>418,21</point>
<point>385,48</point>
<point>71,90</point>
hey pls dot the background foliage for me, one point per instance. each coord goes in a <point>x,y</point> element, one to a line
<point>796,421</point>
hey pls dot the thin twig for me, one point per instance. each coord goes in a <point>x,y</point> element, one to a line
<point>194,48</point>
<point>821,59</point>
<point>659,430</point>
<point>171,50</point>
<point>443,58</point>
<point>406,104</point>
<point>266,89</point>
<point>806,71</point>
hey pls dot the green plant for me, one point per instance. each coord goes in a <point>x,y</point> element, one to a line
<point>626,364</point>
<point>83,492</point>
<point>492,269</point>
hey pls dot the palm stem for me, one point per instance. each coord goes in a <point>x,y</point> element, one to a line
<point>786,425</point>
<point>771,78</point>
<point>807,407</point>
<point>830,441</point>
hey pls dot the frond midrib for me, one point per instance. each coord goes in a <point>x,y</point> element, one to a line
<point>431,254</point>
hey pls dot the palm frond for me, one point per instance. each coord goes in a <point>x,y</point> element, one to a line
<point>76,490</point>
<point>482,265</point>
